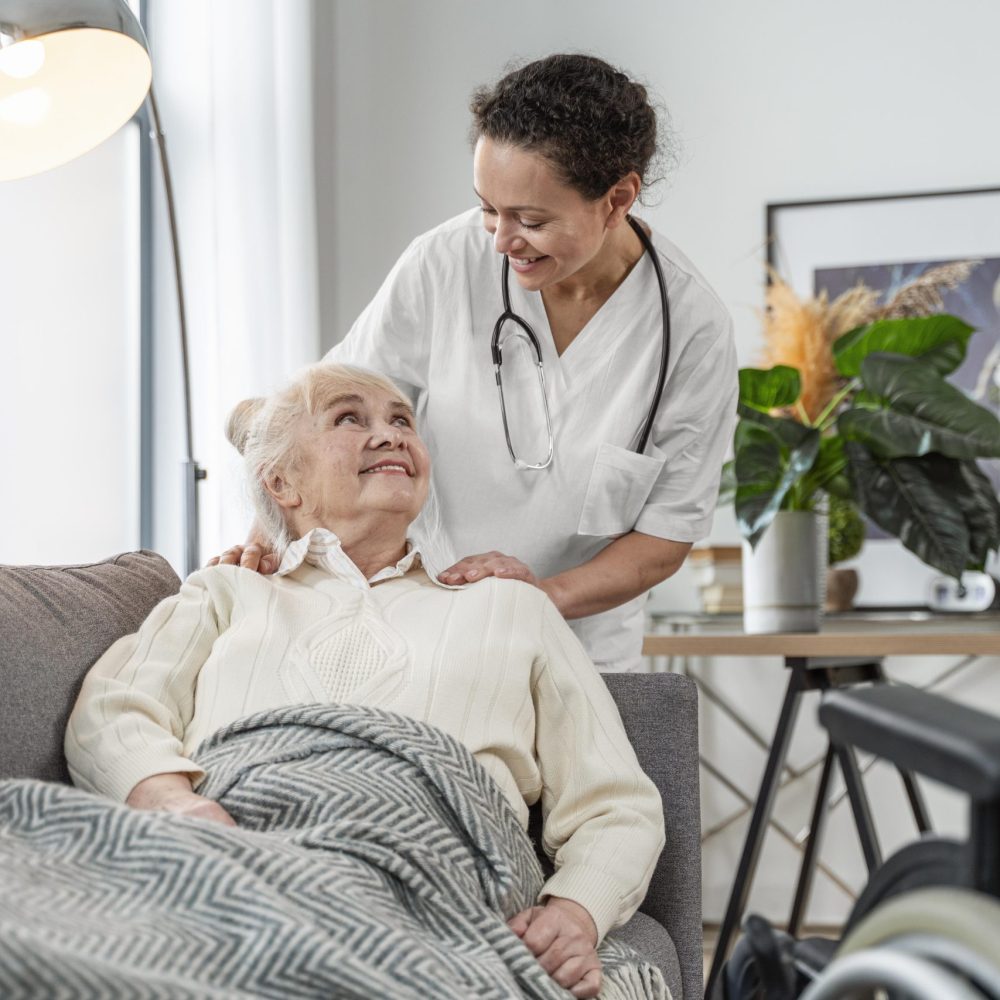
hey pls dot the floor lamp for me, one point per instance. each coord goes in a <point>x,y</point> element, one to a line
<point>72,72</point>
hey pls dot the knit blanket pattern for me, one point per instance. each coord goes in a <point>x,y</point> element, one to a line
<point>373,858</point>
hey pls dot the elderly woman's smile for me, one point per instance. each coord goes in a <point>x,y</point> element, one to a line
<point>388,466</point>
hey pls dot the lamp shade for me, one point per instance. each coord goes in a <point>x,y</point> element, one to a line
<point>72,72</point>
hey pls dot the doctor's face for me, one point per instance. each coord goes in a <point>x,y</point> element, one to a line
<point>358,457</point>
<point>547,229</point>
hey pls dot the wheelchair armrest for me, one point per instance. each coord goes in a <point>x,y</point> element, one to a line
<point>921,732</point>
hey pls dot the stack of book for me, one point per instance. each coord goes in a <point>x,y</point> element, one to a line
<point>718,572</point>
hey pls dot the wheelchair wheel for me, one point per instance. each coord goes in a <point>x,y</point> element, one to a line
<point>955,928</point>
<point>931,861</point>
<point>760,967</point>
<point>769,965</point>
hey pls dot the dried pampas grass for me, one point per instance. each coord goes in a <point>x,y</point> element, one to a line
<point>801,332</point>
<point>923,295</point>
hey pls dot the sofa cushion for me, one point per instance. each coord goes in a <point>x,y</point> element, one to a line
<point>652,941</point>
<point>55,621</point>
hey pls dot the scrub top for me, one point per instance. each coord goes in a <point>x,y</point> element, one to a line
<point>429,328</point>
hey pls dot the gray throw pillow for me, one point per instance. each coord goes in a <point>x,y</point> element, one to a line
<point>55,621</point>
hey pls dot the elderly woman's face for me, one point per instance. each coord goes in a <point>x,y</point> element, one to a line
<point>360,454</point>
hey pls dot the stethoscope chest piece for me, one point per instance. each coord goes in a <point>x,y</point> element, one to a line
<point>496,348</point>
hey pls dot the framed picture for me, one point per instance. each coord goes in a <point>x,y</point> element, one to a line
<point>886,242</point>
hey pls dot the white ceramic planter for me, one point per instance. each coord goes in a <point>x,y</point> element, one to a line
<point>784,580</point>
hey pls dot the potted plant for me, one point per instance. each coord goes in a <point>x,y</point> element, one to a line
<point>869,417</point>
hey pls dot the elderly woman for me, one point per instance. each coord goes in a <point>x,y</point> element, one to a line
<point>338,475</point>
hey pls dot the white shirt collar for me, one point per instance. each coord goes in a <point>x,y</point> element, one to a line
<point>321,548</point>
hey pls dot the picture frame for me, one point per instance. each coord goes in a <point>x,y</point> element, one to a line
<point>886,241</point>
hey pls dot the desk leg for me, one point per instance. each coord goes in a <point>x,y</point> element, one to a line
<point>808,869</point>
<point>860,807</point>
<point>758,823</point>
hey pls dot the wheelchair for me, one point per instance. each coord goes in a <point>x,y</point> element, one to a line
<point>927,924</point>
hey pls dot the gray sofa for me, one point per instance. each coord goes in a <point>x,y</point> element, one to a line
<point>55,621</point>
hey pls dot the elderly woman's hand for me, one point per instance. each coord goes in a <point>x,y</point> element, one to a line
<point>255,554</point>
<point>252,556</point>
<point>562,935</point>
<point>172,793</point>
<point>478,567</point>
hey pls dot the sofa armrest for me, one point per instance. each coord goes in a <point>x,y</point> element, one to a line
<point>660,713</point>
<point>55,621</point>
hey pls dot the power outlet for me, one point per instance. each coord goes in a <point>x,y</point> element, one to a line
<point>975,592</point>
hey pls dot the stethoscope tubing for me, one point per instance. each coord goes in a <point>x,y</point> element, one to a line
<point>508,315</point>
<point>661,379</point>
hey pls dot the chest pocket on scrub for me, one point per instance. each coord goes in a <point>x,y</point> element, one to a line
<point>620,484</point>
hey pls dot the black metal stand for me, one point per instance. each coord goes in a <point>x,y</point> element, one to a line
<point>860,807</point>
<point>808,868</point>
<point>193,472</point>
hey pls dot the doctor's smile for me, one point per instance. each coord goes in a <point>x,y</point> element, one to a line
<point>524,264</point>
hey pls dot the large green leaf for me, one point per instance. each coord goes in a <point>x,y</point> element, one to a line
<point>980,507</point>
<point>941,339</point>
<point>905,497</point>
<point>767,467</point>
<point>829,472</point>
<point>769,388</point>
<point>920,413</point>
<point>790,433</point>
<point>727,484</point>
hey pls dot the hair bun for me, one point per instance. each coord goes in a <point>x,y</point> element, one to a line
<point>241,420</point>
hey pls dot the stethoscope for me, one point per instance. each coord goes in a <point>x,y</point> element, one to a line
<point>508,314</point>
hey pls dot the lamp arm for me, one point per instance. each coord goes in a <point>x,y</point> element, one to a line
<point>193,473</point>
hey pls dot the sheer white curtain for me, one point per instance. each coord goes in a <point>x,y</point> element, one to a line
<point>234,84</point>
<point>69,355</point>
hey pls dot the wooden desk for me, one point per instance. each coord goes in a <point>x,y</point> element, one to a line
<point>914,642</point>
<point>848,651</point>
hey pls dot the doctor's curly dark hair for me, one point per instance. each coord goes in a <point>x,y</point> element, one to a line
<point>589,120</point>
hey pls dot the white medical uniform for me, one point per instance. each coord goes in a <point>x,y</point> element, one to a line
<point>429,328</point>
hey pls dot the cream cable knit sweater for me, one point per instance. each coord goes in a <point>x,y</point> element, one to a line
<point>493,664</point>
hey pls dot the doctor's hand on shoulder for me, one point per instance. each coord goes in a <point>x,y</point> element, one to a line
<point>478,567</point>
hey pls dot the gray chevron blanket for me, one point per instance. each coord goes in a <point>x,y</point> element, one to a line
<point>373,858</point>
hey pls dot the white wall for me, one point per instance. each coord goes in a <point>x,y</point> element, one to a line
<point>771,101</point>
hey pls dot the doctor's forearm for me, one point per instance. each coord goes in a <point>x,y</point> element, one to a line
<point>628,567</point>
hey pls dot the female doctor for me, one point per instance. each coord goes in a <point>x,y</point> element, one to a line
<point>556,479</point>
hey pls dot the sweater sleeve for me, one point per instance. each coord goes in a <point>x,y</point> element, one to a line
<point>603,818</point>
<point>137,700</point>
